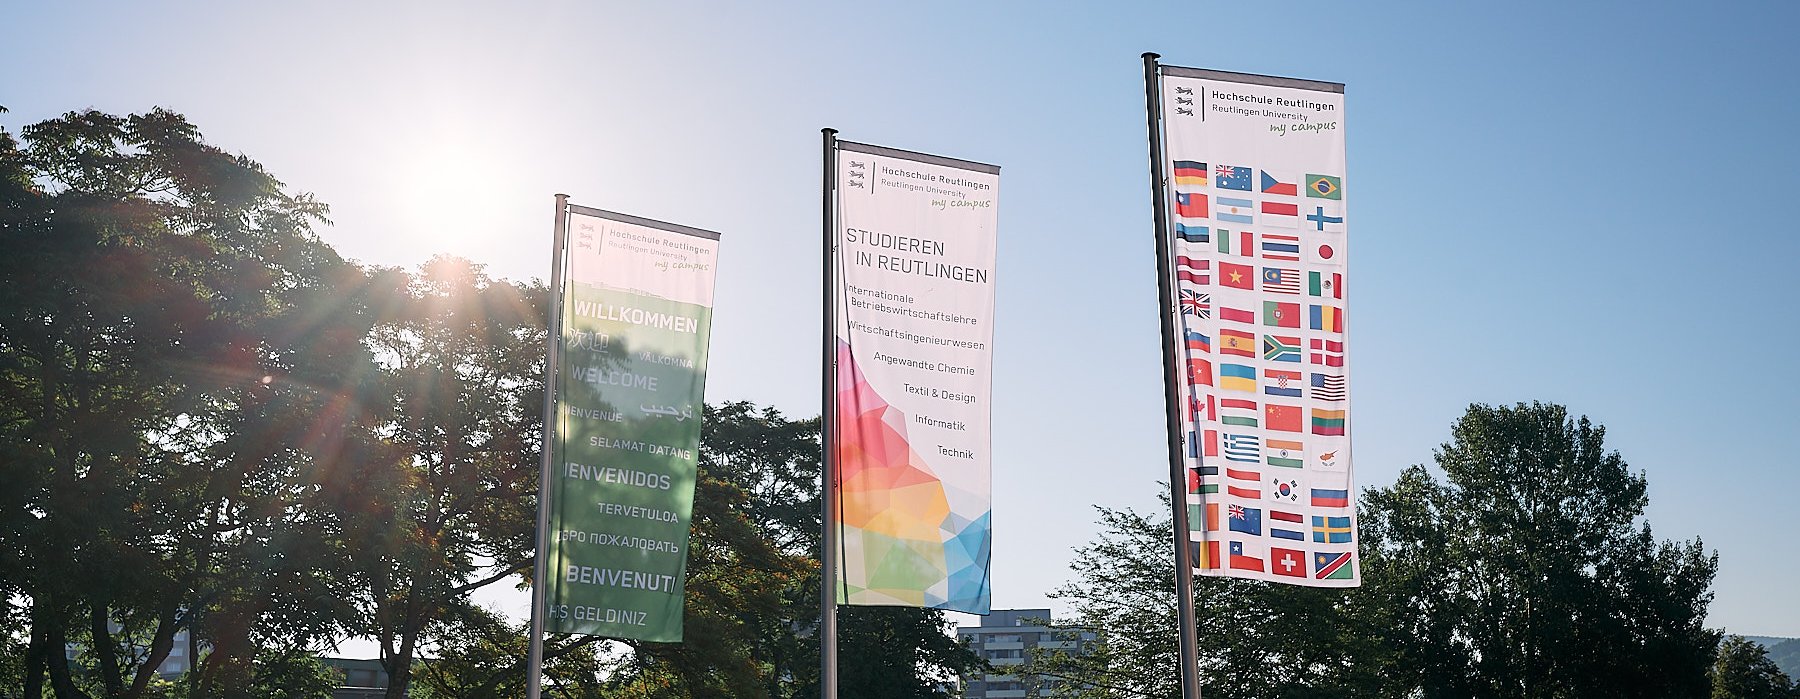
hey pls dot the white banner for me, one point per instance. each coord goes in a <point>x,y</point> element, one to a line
<point>1257,201</point>
<point>915,308</point>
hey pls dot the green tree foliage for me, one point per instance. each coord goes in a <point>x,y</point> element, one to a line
<point>448,506</point>
<point>1744,671</point>
<point>1528,572</point>
<point>1255,639</point>
<point>153,301</point>
<point>292,675</point>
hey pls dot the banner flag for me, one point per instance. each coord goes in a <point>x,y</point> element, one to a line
<point>915,238</point>
<point>636,318</point>
<point>1287,347</point>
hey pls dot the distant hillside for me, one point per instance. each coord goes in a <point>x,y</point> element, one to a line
<point>1786,655</point>
<point>1784,651</point>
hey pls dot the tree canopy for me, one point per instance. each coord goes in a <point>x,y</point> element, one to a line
<point>1527,571</point>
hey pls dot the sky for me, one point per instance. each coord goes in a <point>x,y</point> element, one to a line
<point>1562,202</point>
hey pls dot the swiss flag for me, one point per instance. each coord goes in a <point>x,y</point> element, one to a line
<point>1287,562</point>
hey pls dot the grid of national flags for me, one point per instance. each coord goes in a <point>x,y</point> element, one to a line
<point>1260,276</point>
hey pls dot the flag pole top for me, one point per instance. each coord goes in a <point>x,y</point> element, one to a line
<point>828,131</point>
<point>1152,55</point>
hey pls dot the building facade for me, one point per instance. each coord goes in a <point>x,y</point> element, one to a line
<point>1005,639</point>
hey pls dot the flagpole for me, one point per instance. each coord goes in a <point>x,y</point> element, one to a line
<point>534,659</point>
<point>1184,563</point>
<point>828,540</point>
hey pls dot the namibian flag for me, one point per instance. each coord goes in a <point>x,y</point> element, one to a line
<point>1191,205</point>
<point>1330,498</point>
<point>1332,566</point>
<point>1328,422</point>
<point>1237,377</point>
<point>1190,172</point>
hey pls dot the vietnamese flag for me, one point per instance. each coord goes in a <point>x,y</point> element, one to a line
<point>1240,277</point>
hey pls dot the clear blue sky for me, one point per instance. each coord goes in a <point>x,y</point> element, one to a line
<point>1566,202</point>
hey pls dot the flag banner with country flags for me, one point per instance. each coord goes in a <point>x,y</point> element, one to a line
<point>1268,452</point>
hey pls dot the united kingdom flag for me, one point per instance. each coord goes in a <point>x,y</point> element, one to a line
<point>1196,304</point>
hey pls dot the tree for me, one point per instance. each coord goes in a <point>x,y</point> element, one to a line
<point>1744,671</point>
<point>448,506</point>
<point>1255,639</point>
<point>1529,573</point>
<point>148,299</point>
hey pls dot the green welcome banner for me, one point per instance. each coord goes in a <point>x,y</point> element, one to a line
<point>636,318</point>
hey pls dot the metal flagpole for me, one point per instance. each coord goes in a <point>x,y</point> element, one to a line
<point>534,659</point>
<point>828,541</point>
<point>1184,563</point>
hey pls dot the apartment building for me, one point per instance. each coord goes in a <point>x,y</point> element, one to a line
<point>1005,639</point>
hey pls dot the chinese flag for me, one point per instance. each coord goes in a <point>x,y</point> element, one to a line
<point>1285,418</point>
